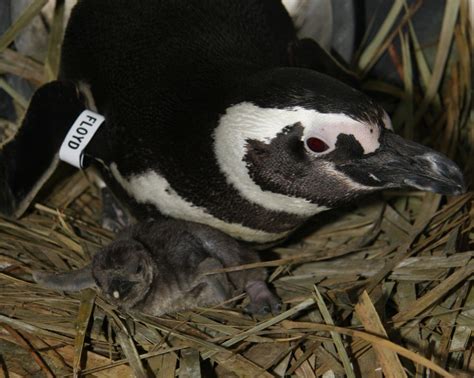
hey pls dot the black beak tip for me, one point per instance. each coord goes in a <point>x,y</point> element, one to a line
<point>448,189</point>
<point>446,179</point>
<point>455,181</point>
<point>462,187</point>
<point>458,189</point>
<point>454,190</point>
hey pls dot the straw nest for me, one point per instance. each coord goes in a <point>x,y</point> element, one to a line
<point>382,288</point>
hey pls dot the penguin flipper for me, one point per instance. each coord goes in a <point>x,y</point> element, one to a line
<point>68,281</point>
<point>307,53</point>
<point>30,158</point>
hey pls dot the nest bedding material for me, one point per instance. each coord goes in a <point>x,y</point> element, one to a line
<point>382,287</point>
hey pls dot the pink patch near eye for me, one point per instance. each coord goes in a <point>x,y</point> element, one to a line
<point>316,145</point>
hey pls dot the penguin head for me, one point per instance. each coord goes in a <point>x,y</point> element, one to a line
<point>124,271</point>
<point>299,141</point>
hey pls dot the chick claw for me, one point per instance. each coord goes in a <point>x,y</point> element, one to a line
<point>262,300</point>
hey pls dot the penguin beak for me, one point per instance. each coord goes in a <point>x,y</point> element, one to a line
<point>122,286</point>
<point>400,163</point>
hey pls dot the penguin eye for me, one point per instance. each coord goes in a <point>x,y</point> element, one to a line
<point>316,145</point>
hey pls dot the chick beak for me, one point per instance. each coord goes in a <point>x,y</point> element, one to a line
<point>400,163</point>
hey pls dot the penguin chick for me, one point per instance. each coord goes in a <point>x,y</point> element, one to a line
<point>162,267</point>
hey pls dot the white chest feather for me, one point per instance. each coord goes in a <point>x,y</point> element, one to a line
<point>151,188</point>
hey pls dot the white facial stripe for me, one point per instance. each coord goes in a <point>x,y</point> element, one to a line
<point>329,126</point>
<point>154,189</point>
<point>247,121</point>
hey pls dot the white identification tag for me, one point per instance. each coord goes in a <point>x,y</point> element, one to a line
<point>79,136</point>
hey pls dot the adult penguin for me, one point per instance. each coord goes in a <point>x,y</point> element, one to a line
<point>215,113</point>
